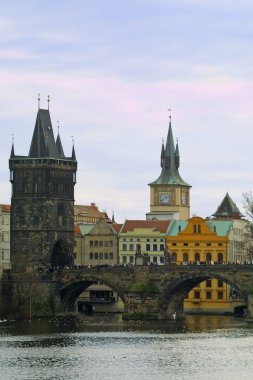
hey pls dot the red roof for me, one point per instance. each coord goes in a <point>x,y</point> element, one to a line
<point>6,208</point>
<point>91,211</point>
<point>117,227</point>
<point>159,225</point>
<point>76,229</point>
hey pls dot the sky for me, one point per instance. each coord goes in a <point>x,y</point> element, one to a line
<point>113,69</point>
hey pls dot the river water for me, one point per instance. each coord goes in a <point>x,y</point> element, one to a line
<point>105,347</point>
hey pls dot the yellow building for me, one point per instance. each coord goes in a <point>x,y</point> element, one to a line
<point>144,236</point>
<point>203,242</point>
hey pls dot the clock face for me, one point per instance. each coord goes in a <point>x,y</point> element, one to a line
<point>164,198</point>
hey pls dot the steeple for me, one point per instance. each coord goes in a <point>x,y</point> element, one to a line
<point>227,209</point>
<point>162,154</point>
<point>73,153</point>
<point>170,163</point>
<point>177,156</point>
<point>43,142</point>
<point>59,146</point>
<point>12,147</point>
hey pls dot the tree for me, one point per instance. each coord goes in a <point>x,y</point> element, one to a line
<point>248,203</point>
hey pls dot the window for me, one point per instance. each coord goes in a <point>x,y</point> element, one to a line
<point>185,257</point>
<point>220,283</point>
<point>91,243</point>
<point>208,283</point>
<point>194,229</point>
<point>208,257</point>
<point>124,247</point>
<point>106,255</point>
<point>162,259</point>
<point>95,243</point>
<point>124,259</point>
<point>131,247</point>
<point>154,240</point>
<point>155,259</point>
<point>101,243</point>
<point>154,247</point>
<point>110,255</point>
<point>220,244</point>
<point>106,243</point>
<point>147,247</point>
<point>197,257</point>
<point>174,244</point>
<point>196,244</point>
<point>101,256</point>
<point>131,259</point>
<point>197,294</point>
<point>161,247</point>
<point>199,228</point>
<point>185,244</point>
<point>220,295</point>
<point>208,244</point>
<point>91,255</point>
<point>208,295</point>
<point>96,256</point>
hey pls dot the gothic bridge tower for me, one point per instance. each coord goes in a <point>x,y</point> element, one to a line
<point>42,203</point>
<point>169,194</point>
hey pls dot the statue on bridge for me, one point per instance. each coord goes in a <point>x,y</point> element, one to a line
<point>167,256</point>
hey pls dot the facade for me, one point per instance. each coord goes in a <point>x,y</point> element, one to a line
<point>42,203</point>
<point>89,214</point>
<point>204,242</point>
<point>239,238</point>
<point>169,194</point>
<point>142,236</point>
<point>96,244</point>
<point>5,237</point>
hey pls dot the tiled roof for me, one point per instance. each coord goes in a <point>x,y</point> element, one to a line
<point>6,208</point>
<point>117,227</point>
<point>91,211</point>
<point>159,225</point>
<point>76,229</point>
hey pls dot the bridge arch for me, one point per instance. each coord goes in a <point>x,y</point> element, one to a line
<point>71,290</point>
<point>175,291</point>
<point>60,255</point>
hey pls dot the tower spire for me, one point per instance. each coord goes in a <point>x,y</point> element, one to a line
<point>12,145</point>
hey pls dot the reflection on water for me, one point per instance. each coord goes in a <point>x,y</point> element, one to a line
<point>94,347</point>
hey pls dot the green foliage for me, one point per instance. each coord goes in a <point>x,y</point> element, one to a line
<point>44,309</point>
<point>139,287</point>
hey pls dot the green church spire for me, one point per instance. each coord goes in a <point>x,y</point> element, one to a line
<point>170,160</point>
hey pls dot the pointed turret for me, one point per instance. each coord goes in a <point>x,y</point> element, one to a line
<point>12,151</point>
<point>73,153</point>
<point>43,142</point>
<point>162,154</point>
<point>170,174</point>
<point>59,147</point>
<point>177,156</point>
<point>227,209</point>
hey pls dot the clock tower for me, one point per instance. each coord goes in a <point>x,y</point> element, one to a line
<point>169,194</point>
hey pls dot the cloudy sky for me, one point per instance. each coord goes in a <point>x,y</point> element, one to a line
<point>112,69</point>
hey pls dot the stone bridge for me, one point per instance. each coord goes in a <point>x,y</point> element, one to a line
<point>152,290</point>
<point>159,290</point>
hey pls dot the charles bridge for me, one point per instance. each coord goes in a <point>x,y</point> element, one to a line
<point>149,290</point>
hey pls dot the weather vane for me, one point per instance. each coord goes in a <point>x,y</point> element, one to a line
<point>39,101</point>
<point>72,137</point>
<point>48,101</point>
<point>169,109</point>
<point>12,138</point>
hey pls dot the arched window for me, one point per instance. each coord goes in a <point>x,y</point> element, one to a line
<point>199,228</point>
<point>220,258</point>
<point>194,229</point>
<point>174,257</point>
<point>208,257</point>
<point>185,257</point>
<point>197,257</point>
